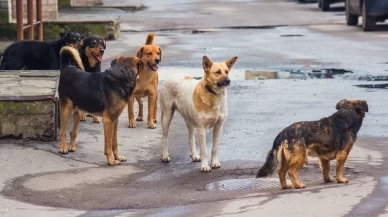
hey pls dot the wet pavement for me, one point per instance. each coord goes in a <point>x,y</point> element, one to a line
<point>37,181</point>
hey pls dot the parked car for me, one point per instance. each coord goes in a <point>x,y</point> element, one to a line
<point>324,5</point>
<point>372,11</point>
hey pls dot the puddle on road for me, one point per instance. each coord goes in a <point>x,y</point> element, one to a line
<point>292,35</point>
<point>374,204</point>
<point>377,86</point>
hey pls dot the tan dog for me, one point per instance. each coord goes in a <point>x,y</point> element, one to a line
<point>146,84</point>
<point>202,104</point>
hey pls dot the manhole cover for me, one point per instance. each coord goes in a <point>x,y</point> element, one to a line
<point>243,184</point>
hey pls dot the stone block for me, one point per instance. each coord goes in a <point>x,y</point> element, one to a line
<point>27,106</point>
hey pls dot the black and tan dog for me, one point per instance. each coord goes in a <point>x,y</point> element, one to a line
<point>329,138</point>
<point>37,55</point>
<point>92,49</point>
<point>104,94</point>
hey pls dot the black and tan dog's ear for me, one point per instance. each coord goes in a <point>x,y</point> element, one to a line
<point>136,61</point>
<point>340,104</point>
<point>139,53</point>
<point>82,37</point>
<point>362,105</point>
<point>114,61</point>
<point>160,51</point>
<point>103,43</point>
<point>230,62</point>
<point>81,43</point>
<point>62,35</point>
<point>206,63</point>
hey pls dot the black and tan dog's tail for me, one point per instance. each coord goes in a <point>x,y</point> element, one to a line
<point>70,55</point>
<point>272,160</point>
<point>150,38</point>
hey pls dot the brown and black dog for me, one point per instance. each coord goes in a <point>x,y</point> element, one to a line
<point>92,49</point>
<point>146,84</point>
<point>104,94</point>
<point>329,138</point>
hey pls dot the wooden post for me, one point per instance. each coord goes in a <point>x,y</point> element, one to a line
<point>19,19</point>
<point>30,19</point>
<point>39,19</point>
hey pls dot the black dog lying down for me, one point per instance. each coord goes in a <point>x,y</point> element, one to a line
<point>104,94</point>
<point>329,138</point>
<point>37,55</point>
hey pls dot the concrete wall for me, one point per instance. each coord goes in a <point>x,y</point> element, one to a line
<point>50,9</point>
<point>86,2</point>
<point>5,11</point>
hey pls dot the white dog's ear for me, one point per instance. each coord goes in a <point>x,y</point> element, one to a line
<point>206,63</point>
<point>230,62</point>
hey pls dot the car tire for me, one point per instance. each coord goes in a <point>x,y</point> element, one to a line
<point>351,19</point>
<point>325,5</point>
<point>319,3</point>
<point>368,22</point>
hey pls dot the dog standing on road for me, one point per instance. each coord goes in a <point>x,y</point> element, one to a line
<point>100,93</point>
<point>202,104</point>
<point>329,138</point>
<point>146,84</point>
<point>92,49</point>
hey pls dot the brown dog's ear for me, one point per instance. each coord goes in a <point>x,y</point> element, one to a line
<point>230,62</point>
<point>363,105</point>
<point>160,51</point>
<point>140,52</point>
<point>340,104</point>
<point>206,63</point>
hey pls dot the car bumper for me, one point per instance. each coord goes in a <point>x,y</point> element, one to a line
<point>376,7</point>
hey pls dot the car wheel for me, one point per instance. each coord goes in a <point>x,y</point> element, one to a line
<point>325,5</point>
<point>368,22</point>
<point>351,19</point>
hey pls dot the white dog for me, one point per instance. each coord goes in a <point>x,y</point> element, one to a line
<point>202,104</point>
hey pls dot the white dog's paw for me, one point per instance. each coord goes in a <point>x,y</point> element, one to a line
<point>166,159</point>
<point>205,168</point>
<point>195,158</point>
<point>216,164</point>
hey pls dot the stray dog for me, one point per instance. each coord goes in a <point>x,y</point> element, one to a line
<point>202,104</point>
<point>92,49</point>
<point>37,55</point>
<point>146,84</point>
<point>329,138</point>
<point>100,93</point>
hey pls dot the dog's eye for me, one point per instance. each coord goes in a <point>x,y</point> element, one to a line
<point>226,72</point>
<point>149,53</point>
<point>218,72</point>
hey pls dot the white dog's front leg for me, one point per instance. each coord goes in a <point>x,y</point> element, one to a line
<point>217,131</point>
<point>202,143</point>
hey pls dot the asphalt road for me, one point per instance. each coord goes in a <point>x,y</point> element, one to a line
<point>37,181</point>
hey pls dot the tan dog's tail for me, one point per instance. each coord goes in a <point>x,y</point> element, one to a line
<point>150,38</point>
<point>67,54</point>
